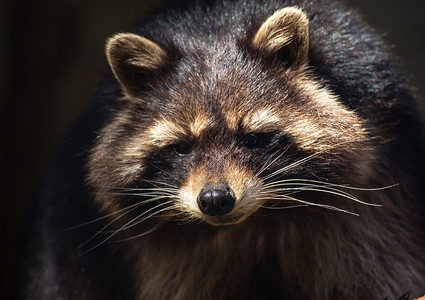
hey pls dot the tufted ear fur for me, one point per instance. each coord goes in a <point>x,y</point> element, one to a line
<point>133,59</point>
<point>285,35</point>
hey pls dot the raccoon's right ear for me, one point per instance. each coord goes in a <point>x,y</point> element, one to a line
<point>133,60</point>
<point>284,35</point>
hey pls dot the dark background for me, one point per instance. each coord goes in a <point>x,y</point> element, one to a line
<point>51,57</point>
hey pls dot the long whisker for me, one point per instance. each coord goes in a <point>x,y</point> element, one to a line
<point>105,216</point>
<point>335,192</point>
<point>283,207</point>
<point>299,185</point>
<point>140,235</point>
<point>127,211</point>
<point>110,223</point>
<point>296,180</point>
<point>150,230</point>
<point>314,188</point>
<point>151,194</point>
<point>156,188</point>
<point>138,219</point>
<point>125,226</point>
<point>157,191</point>
<point>326,206</point>
<point>303,160</point>
<point>270,162</point>
<point>291,166</point>
<point>158,184</point>
<point>136,222</point>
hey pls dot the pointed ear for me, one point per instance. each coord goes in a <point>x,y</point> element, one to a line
<point>285,35</point>
<point>133,60</point>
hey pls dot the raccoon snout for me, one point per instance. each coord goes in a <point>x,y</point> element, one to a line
<point>216,201</point>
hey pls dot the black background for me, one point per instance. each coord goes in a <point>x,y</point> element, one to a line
<point>52,57</point>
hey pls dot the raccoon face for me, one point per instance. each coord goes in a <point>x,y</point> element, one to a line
<point>214,133</point>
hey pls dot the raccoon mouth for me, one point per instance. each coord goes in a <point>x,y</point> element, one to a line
<point>224,220</point>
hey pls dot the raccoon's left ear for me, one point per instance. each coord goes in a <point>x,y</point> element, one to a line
<point>285,35</point>
<point>133,60</point>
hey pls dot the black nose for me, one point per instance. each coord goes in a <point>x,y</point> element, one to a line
<point>216,201</point>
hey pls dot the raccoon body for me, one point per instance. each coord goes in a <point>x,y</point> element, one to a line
<point>238,150</point>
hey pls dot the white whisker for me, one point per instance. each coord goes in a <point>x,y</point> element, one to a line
<point>138,219</point>
<point>158,184</point>
<point>326,206</point>
<point>301,185</point>
<point>291,166</point>
<point>105,216</point>
<point>126,211</point>
<point>268,163</point>
<point>125,226</point>
<point>296,180</point>
<point>140,235</point>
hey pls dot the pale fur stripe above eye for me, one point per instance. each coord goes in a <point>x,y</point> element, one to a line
<point>265,120</point>
<point>164,133</point>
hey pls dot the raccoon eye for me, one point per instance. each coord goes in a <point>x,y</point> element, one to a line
<point>254,140</point>
<point>182,148</point>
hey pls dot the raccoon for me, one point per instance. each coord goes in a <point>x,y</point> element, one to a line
<point>238,150</point>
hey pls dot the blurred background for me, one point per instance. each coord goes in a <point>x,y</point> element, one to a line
<point>52,56</point>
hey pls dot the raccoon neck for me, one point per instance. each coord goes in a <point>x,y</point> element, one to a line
<point>195,264</point>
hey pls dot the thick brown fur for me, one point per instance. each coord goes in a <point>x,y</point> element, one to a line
<point>316,143</point>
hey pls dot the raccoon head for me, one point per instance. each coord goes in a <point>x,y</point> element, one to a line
<point>215,129</point>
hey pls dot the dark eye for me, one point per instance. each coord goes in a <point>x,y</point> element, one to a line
<point>254,140</point>
<point>182,148</point>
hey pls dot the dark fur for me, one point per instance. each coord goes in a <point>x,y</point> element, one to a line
<point>303,253</point>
